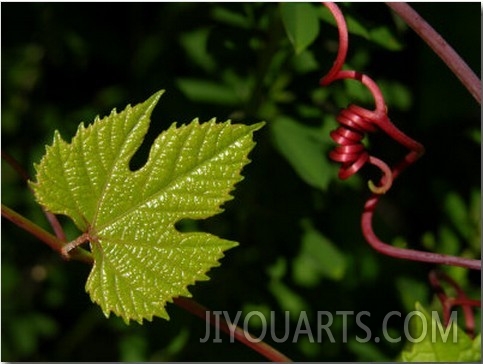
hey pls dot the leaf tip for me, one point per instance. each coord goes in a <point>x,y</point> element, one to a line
<point>156,96</point>
<point>258,125</point>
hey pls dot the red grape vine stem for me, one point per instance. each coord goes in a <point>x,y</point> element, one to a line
<point>73,251</point>
<point>455,63</point>
<point>355,122</point>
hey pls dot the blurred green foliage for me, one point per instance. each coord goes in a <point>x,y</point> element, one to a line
<point>422,347</point>
<point>301,247</point>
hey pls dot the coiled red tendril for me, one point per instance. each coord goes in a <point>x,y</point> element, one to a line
<point>355,122</point>
<point>350,152</point>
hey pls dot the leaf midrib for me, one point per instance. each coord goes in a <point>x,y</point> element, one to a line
<point>114,163</point>
<point>165,188</point>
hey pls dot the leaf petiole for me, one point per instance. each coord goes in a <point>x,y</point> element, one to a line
<point>67,248</point>
<point>240,334</point>
<point>43,235</point>
<point>53,221</point>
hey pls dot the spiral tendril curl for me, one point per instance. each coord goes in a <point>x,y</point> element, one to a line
<point>355,122</point>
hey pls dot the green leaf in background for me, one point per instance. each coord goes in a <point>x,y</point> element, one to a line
<point>208,91</point>
<point>318,258</point>
<point>410,291</point>
<point>194,44</point>
<point>353,25</point>
<point>436,348</point>
<point>303,148</point>
<point>140,260</point>
<point>380,35</point>
<point>458,212</point>
<point>288,299</point>
<point>384,37</point>
<point>301,24</point>
<point>230,17</point>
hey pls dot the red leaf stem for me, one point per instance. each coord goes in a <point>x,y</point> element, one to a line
<point>242,336</point>
<point>404,253</point>
<point>58,244</point>
<point>52,241</point>
<point>51,218</point>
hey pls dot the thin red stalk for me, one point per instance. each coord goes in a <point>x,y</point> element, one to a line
<point>15,165</point>
<point>32,228</point>
<point>53,221</point>
<point>449,302</point>
<point>52,241</point>
<point>191,306</point>
<point>380,109</point>
<point>404,253</point>
<point>242,336</point>
<point>465,302</point>
<point>343,43</point>
<point>449,56</point>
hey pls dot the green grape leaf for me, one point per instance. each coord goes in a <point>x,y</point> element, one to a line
<point>141,261</point>
<point>301,24</point>
<point>431,342</point>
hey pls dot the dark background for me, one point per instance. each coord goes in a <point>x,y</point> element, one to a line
<point>66,63</point>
